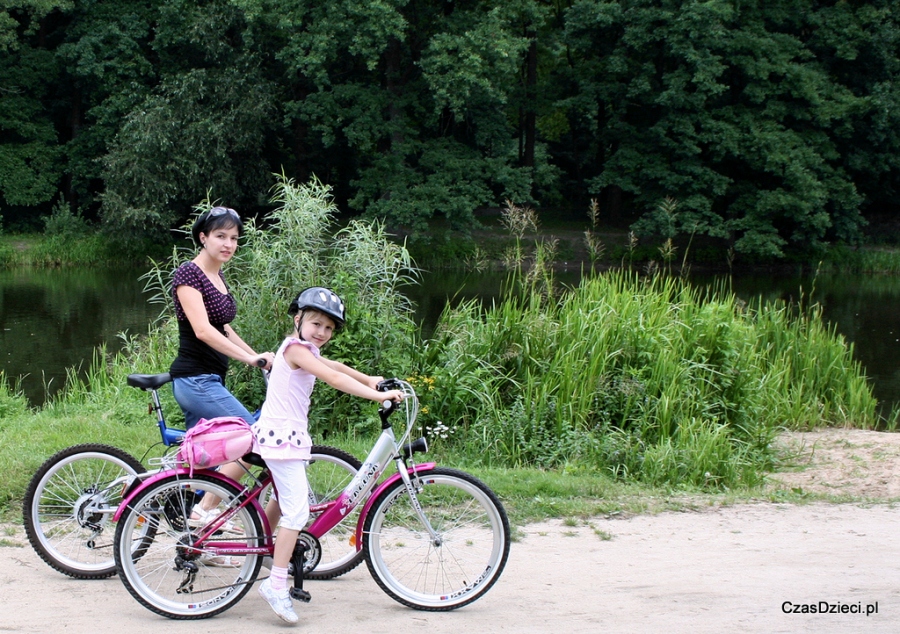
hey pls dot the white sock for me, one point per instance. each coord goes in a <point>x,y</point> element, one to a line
<point>279,578</point>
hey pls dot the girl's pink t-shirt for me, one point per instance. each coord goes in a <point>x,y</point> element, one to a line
<point>281,433</point>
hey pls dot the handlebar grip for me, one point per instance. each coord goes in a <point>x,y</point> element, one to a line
<point>261,363</point>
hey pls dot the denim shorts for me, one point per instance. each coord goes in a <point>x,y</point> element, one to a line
<point>205,396</point>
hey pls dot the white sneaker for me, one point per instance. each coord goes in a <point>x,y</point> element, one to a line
<point>220,561</point>
<point>280,601</point>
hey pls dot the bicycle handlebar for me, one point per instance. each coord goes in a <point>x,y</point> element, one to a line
<point>388,406</point>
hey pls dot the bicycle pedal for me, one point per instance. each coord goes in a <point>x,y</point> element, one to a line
<point>300,594</point>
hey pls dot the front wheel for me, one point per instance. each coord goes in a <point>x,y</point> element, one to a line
<point>171,571</point>
<point>69,504</point>
<point>447,568</point>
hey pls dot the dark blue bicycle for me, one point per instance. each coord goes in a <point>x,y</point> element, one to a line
<point>71,499</point>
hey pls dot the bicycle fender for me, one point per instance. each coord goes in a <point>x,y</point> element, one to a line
<point>427,466</point>
<point>163,475</point>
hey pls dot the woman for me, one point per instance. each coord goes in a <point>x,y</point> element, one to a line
<point>204,308</point>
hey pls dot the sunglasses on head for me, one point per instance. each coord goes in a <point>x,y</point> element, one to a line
<point>218,211</point>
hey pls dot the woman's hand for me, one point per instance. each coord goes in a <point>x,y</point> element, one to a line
<point>263,360</point>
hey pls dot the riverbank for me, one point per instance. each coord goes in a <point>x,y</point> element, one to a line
<point>487,247</point>
<point>710,567</point>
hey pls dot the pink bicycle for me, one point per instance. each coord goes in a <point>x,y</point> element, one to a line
<point>433,538</point>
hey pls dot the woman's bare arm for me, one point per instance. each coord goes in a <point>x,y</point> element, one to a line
<point>195,311</point>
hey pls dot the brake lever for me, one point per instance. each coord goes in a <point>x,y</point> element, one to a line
<point>388,384</point>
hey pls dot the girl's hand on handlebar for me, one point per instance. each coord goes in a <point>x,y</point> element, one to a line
<point>391,395</point>
<point>373,381</point>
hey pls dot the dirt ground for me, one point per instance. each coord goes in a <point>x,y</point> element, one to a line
<point>735,568</point>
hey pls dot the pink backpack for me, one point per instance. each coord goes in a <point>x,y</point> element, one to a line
<point>215,441</point>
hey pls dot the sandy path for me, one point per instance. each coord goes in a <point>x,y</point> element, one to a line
<point>728,569</point>
<point>723,569</point>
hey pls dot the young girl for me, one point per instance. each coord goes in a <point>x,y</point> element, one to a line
<point>281,435</point>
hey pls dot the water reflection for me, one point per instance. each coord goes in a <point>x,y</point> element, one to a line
<point>867,312</point>
<point>53,319</point>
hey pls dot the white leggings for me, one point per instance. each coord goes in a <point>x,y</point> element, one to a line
<point>292,490</point>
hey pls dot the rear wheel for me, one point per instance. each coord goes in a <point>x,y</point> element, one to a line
<point>69,504</point>
<point>178,573</point>
<point>330,470</point>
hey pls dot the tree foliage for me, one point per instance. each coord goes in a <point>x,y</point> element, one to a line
<point>773,124</point>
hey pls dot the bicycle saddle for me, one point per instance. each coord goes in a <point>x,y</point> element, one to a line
<point>255,459</point>
<point>148,381</point>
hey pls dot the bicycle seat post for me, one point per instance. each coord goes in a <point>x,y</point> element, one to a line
<point>151,383</point>
<point>169,436</point>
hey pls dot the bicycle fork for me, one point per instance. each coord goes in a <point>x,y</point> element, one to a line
<point>413,486</point>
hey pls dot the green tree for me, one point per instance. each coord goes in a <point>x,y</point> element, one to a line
<point>859,43</point>
<point>773,124</point>
<point>24,16</point>
<point>406,103</point>
<point>203,128</point>
<point>724,106</point>
<point>31,158</point>
<point>109,70</point>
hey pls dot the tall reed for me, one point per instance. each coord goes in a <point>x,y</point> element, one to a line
<point>300,246</point>
<point>646,377</point>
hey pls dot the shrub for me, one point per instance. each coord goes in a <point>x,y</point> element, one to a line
<point>301,247</point>
<point>647,377</point>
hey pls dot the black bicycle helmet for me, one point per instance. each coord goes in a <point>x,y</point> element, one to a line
<point>213,219</point>
<point>323,300</point>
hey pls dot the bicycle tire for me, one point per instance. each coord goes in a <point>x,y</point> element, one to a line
<point>330,470</point>
<point>446,573</point>
<point>166,574</point>
<point>68,507</point>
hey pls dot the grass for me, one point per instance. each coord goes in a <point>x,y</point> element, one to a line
<point>603,535</point>
<point>86,249</point>
<point>102,409</point>
<point>642,377</point>
<point>530,494</point>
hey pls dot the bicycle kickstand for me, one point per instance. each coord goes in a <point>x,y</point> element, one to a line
<point>297,560</point>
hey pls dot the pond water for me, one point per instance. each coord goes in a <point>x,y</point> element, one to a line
<point>51,320</point>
